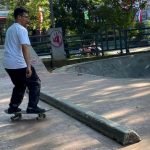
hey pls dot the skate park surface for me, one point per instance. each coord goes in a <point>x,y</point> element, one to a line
<point>123,98</point>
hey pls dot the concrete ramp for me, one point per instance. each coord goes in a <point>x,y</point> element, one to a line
<point>57,85</point>
<point>129,66</point>
<point>2,71</point>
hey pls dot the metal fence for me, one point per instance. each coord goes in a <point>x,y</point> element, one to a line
<point>96,44</point>
<point>107,40</point>
<point>42,46</point>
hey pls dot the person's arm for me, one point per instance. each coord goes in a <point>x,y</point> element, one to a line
<point>26,54</point>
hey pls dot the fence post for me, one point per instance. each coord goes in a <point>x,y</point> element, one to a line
<point>126,40</point>
<point>102,46</point>
<point>114,33</point>
<point>120,40</point>
<point>106,37</point>
<point>66,48</point>
<point>2,39</point>
<point>96,44</point>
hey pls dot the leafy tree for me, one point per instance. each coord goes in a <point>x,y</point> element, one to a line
<point>69,14</point>
<point>33,7</point>
<point>119,13</point>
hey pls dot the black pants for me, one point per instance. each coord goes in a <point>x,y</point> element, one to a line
<point>18,78</point>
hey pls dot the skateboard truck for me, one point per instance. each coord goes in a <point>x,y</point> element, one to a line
<point>18,115</point>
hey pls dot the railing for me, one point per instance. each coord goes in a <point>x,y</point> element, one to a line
<point>137,38</point>
<point>94,44</point>
<point>42,46</point>
<point>107,40</point>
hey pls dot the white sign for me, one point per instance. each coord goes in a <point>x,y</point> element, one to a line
<point>57,44</point>
<point>56,38</point>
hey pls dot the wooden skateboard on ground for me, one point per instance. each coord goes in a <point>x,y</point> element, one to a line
<point>18,115</point>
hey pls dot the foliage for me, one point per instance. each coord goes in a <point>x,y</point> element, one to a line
<point>119,13</point>
<point>112,12</point>
<point>147,24</point>
<point>34,13</point>
<point>32,6</point>
<point>69,14</point>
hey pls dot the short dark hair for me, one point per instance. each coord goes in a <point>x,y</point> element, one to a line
<point>20,11</point>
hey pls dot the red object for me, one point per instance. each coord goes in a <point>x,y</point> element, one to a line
<point>140,16</point>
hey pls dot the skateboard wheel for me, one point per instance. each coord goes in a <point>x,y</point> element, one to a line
<point>41,116</point>
<point>16,117</point>
<point>44,115</point>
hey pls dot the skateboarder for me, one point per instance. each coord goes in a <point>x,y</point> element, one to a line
<point>17,64</point>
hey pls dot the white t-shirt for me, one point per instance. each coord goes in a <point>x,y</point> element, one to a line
<point>16,35</point>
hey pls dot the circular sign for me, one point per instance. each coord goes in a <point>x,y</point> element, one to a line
<point>56,38</point>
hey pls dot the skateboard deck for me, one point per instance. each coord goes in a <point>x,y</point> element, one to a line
<point>18,115</point>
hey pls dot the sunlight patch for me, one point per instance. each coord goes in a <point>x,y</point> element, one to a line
<point>118,113</point>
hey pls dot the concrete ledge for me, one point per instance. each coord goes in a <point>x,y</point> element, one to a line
<point>107,127</point>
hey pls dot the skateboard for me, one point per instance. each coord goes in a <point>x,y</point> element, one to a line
<point>18,115</point>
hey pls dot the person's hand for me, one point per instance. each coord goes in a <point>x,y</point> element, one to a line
<point>28,72</point>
